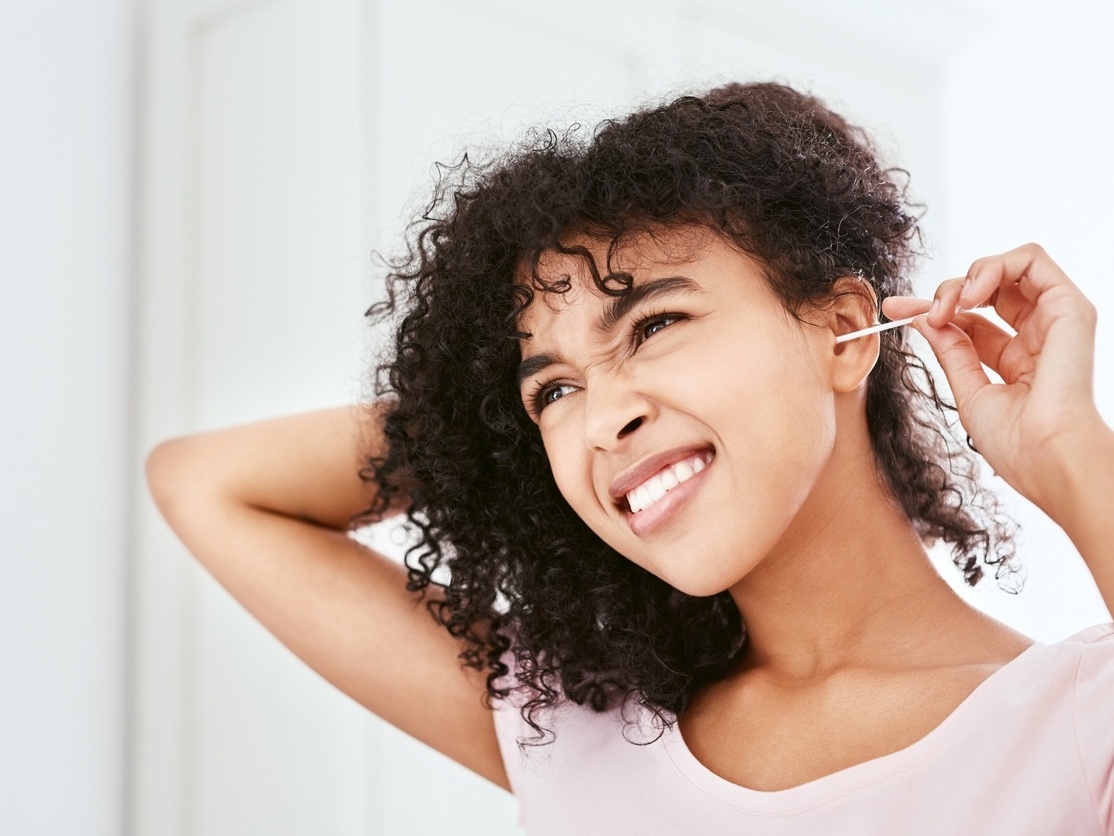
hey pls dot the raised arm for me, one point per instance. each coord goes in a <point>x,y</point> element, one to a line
<point>264,508</point>
<point>1039,429</point>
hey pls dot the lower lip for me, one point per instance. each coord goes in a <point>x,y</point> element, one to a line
<point>649,519</point>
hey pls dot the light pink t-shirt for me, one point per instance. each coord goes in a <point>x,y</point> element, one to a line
<point>1030,751</point>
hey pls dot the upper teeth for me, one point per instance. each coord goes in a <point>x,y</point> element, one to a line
<point>661,483</point>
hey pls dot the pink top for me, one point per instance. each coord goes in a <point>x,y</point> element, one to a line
<point>1030,751</point>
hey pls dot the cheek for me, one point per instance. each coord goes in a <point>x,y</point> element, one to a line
<point>570,465</point>
<point>569,468</point>
<point>732,377</point>
<point>768,406</point>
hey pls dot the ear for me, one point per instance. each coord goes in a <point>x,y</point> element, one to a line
<point>851,306</point>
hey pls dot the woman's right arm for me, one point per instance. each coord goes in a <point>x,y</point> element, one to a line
<point>264,508</point>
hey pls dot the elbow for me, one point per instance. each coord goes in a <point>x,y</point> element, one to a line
<point>165,469</point>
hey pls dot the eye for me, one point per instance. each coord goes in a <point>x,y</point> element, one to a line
<point>549,393</point>
<point>650,325</point>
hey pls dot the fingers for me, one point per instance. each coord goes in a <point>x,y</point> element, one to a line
<point>945,304</point>
<point>988,340</point>
<point>1010,304</point>
<point>943,307</point>
<point>940,310</point>
<point>1016,280</point>
<point>901,307</point>
<point>1029,267</point>
<point>958,358</point>
<point>1012,282</point>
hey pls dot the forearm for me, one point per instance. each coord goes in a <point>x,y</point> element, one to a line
<point>1085,502</point>
<point>301,466</point>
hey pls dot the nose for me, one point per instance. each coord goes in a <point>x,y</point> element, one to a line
<point>614,410</point>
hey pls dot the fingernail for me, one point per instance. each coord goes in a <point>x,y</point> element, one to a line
<point>966,289</point>
<point>935,307</point>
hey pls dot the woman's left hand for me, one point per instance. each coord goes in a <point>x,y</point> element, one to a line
<point>1037,427</point>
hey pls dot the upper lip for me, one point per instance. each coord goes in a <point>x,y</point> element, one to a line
<point>635,475</point>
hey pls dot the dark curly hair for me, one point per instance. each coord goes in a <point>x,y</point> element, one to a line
<point>772,171</point>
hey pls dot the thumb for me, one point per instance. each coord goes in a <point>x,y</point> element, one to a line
<point>958,358</point>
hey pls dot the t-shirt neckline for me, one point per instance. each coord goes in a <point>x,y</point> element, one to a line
<point>836,784</point>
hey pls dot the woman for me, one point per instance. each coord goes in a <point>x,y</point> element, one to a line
<point>685,527</point>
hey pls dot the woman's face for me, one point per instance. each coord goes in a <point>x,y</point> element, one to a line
<point>687,422</point>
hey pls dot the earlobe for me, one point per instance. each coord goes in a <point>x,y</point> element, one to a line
<point>853,306</point>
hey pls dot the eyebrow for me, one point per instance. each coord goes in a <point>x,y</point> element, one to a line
<point>532,365</point>
<point>616,309</point>
<point>620,306</point>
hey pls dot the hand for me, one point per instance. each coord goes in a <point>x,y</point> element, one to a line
<point>1036,427</point>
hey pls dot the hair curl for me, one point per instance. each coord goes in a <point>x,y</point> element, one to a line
<point>781,177</point>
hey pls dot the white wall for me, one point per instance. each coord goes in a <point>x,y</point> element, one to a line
<point>1026,128</point>
<point>65,142</point>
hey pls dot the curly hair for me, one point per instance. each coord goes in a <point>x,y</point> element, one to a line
<point>772,171</point>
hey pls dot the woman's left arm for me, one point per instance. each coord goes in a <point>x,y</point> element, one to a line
<point>1039,429</point>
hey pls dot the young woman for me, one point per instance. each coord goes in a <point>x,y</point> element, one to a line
<point>676,531</point>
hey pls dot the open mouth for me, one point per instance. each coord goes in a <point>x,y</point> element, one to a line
<point>653,490</point>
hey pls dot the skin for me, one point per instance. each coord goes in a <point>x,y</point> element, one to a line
<point>842,607</point>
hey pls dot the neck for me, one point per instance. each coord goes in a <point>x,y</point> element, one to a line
<point>849,583</point>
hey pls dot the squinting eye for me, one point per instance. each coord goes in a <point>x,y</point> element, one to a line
<point>549,394</point>
<point>648,327</point>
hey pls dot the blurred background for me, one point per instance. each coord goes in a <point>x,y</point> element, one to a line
<point>190,191</point>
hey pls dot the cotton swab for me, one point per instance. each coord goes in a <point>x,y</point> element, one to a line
<point>874,329</point>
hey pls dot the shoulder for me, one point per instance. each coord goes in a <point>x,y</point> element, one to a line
<point>1092,653</point>
<point>1077,664</point>
<point>1093,714</point>
<point>1098,634</point>
<point>1093,650</point>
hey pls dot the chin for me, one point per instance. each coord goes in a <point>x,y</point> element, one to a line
<point>703,576</point>
<point>700,585</point>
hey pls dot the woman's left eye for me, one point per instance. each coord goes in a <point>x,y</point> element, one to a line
<point>646,328</point>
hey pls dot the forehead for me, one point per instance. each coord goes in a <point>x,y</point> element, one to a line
<point>588,273</point>
<point>593,270</point>
<point>584,259</point>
